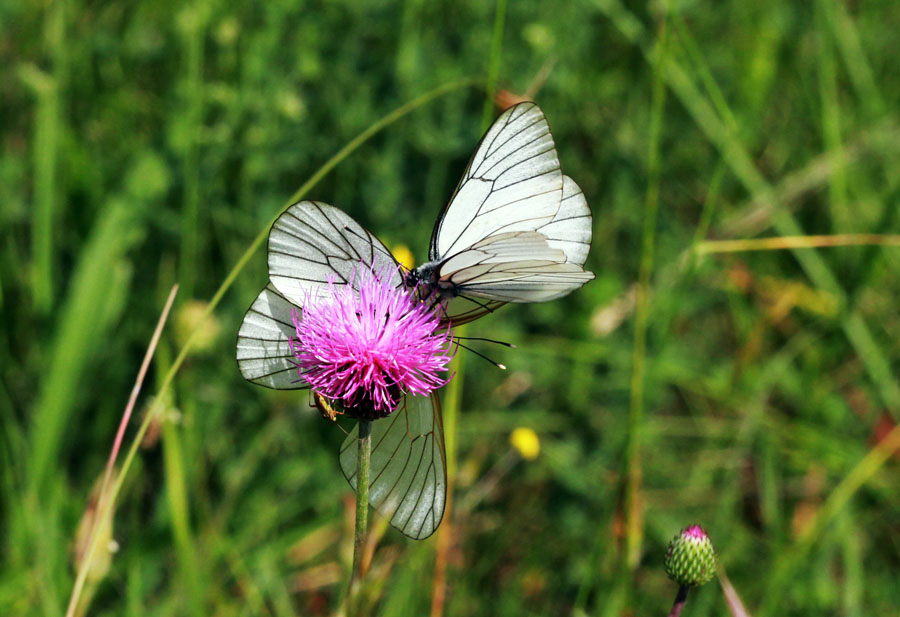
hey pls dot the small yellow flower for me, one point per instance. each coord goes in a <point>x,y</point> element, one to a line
<point>526,443</point>
<point>404,256</point>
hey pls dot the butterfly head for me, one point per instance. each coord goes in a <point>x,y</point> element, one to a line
<point>426,281</point>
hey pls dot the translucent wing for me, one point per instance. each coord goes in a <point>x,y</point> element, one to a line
<point>461,310</point>
<point>570,229</point>
<point>263,351</point>
<point>408,481</point>
<point>512,183</point>
<point>312,242</point>
<point>516,229</point>
<point>514,267</point>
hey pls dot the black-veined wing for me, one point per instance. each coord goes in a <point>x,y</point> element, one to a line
<point>516,229</point>
<point>514,267</point>
<point>264,353</point>
<point>571,228</point>
<point>313,243</point>
<point>512,183</point>
<point>462,310</point>
<point>408,473</point>
<point>310,244</point>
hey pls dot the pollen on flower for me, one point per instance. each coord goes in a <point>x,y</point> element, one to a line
<point>366,344</point>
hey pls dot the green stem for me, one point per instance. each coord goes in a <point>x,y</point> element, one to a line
<point>363,457</point>
<point>633,505</point>
<point>490,89</point>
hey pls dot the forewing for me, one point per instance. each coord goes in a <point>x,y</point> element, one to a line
<point>263,346</point>
<point>312,243</point>
<point>512,183</point>
<point>571,228</point>
<point>408,473</point>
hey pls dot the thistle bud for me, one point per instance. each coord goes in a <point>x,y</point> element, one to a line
<point>690,558</point>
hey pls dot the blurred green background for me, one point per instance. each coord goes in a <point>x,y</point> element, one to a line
<point>148,143</point>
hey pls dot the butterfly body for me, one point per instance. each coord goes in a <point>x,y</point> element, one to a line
<point>425,281</point>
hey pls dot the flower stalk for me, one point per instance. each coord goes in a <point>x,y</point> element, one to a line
<point>363,458</point>
<point>680,599</point>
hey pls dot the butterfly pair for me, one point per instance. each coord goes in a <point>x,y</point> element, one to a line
<point>515,230</point>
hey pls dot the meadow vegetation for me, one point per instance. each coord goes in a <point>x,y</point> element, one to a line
<point>752,391</point>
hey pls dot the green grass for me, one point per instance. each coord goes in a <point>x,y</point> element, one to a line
<point>152,143</point>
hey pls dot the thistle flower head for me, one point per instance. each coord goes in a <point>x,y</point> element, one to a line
<point>365,344</point>
<point>690,558</point>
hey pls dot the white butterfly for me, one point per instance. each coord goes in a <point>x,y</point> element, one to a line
<point>515,230</point>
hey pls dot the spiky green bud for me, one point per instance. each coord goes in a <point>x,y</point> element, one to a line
<point>690,558</point>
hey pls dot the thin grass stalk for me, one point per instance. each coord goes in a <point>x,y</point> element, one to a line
<point>732,599</point>
<point>633,506</point>
<point>454,389</point>
<point>47,128</point>
<point>177,497</point>
<point>842,215</point>
<point>166,382</point>
<point>193,49</point>
<point>451,407</point>
<point>795,242</point>
<point>794,557</point>
<point>735,154</point>
<point>104,503</point>
<point>487,114</point>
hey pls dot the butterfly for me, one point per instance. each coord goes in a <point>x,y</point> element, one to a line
<point>515,230</point>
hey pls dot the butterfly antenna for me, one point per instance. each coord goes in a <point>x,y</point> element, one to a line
<point>487,340</point>
<point>502,367</point>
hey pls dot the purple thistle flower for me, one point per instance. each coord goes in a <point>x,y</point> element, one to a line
<point>364,349</point>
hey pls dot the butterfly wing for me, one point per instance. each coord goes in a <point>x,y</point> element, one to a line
<point>514,267</point>
<point>264,353</point>
<point>408,473</point>
<point>570,230</point>
<point>516,229</point>
<point>512,183</point>
<point>313,243</point>
<point>309,244</point>
<point>463,309</point>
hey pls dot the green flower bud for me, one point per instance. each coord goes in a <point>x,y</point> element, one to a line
<point>690,558</point>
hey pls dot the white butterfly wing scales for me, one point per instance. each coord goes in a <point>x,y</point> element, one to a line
<point>501,248</point>
<point>517,229</point>
<point>571,228</point>
<point>525,281</point>
<point>512,183</point>
<point>515,267</point>
<point>264,354</point>
<point>312,243</point>
<point>408,475</point>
